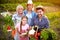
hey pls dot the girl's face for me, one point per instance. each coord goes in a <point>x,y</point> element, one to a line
<point>24,21</point>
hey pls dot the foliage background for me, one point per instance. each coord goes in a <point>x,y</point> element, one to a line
<point>52,12</point>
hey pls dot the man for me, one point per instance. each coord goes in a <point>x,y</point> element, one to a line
<point>29,12</point>
<point>41,21</point>
<point>17,18</point>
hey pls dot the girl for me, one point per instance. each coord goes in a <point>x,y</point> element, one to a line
<point>22,28</point>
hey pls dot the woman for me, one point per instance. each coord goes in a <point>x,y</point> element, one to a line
<point>17,18</point>
<point>23,28</point>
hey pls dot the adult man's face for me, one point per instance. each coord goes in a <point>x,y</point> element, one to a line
<point>29,7</point>
<point>40,12</point>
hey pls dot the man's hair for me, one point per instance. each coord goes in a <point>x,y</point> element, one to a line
<point>39,8</point>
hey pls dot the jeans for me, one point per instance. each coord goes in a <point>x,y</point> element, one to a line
<point>16,37</point>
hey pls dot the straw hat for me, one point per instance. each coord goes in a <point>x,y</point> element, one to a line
<point>29,2</point>
<point>40,7</point>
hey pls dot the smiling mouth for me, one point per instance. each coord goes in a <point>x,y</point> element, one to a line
<point>39,14</point>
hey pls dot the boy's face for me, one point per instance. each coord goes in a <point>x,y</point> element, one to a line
<point>29,7</point>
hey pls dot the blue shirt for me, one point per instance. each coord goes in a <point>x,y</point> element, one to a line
<point>16,18</point>
<point>30,16</point>
<point>43,23</point>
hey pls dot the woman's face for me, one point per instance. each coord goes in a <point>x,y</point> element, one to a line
<point>20,11</point>
<point>40,12</point>
<point>29,7</point>
<point>24,21</point>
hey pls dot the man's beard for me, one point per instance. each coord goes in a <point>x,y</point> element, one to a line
<point>40,15</point>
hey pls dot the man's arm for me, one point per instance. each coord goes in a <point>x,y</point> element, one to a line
<point>47,23</point>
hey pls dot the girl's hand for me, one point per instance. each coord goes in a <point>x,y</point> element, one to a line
<point>23,34</point>
<point>20,32</point>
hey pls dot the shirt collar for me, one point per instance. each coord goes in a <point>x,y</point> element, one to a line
<point>27,11</point>
<point>38,18</point>
<point>19,15</point>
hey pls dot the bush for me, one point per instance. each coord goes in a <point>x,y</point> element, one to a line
<point>53,15</point>
<point>54,19</point>
<point>7,20</point>
<point>10,7</point>
<point>48,34</point>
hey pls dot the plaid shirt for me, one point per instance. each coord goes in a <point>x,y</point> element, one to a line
<point>43,23</point>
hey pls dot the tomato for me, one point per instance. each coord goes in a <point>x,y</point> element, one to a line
<point>8,28</point>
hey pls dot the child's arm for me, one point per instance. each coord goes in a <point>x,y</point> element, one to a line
<point>18,31</point>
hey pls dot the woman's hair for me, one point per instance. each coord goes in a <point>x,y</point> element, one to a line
<point>19,6</point>
<point>21,22</point>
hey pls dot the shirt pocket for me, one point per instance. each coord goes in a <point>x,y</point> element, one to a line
<point>36,22</point>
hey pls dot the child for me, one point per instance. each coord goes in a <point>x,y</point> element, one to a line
<point>22,28</point>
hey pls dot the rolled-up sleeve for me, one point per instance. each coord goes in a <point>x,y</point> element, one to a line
<point>47,23</point>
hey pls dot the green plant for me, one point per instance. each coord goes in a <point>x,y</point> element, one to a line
<point>10,7</point>
<point>54,18</point>
<point>8,20</point>
<point>48,34</point>
<point>4,23</point>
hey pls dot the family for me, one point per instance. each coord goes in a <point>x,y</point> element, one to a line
<point>24,20</point>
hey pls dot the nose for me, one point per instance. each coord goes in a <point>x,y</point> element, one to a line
<point>39,13</point>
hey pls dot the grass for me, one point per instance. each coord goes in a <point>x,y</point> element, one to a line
<point>54,18</point>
